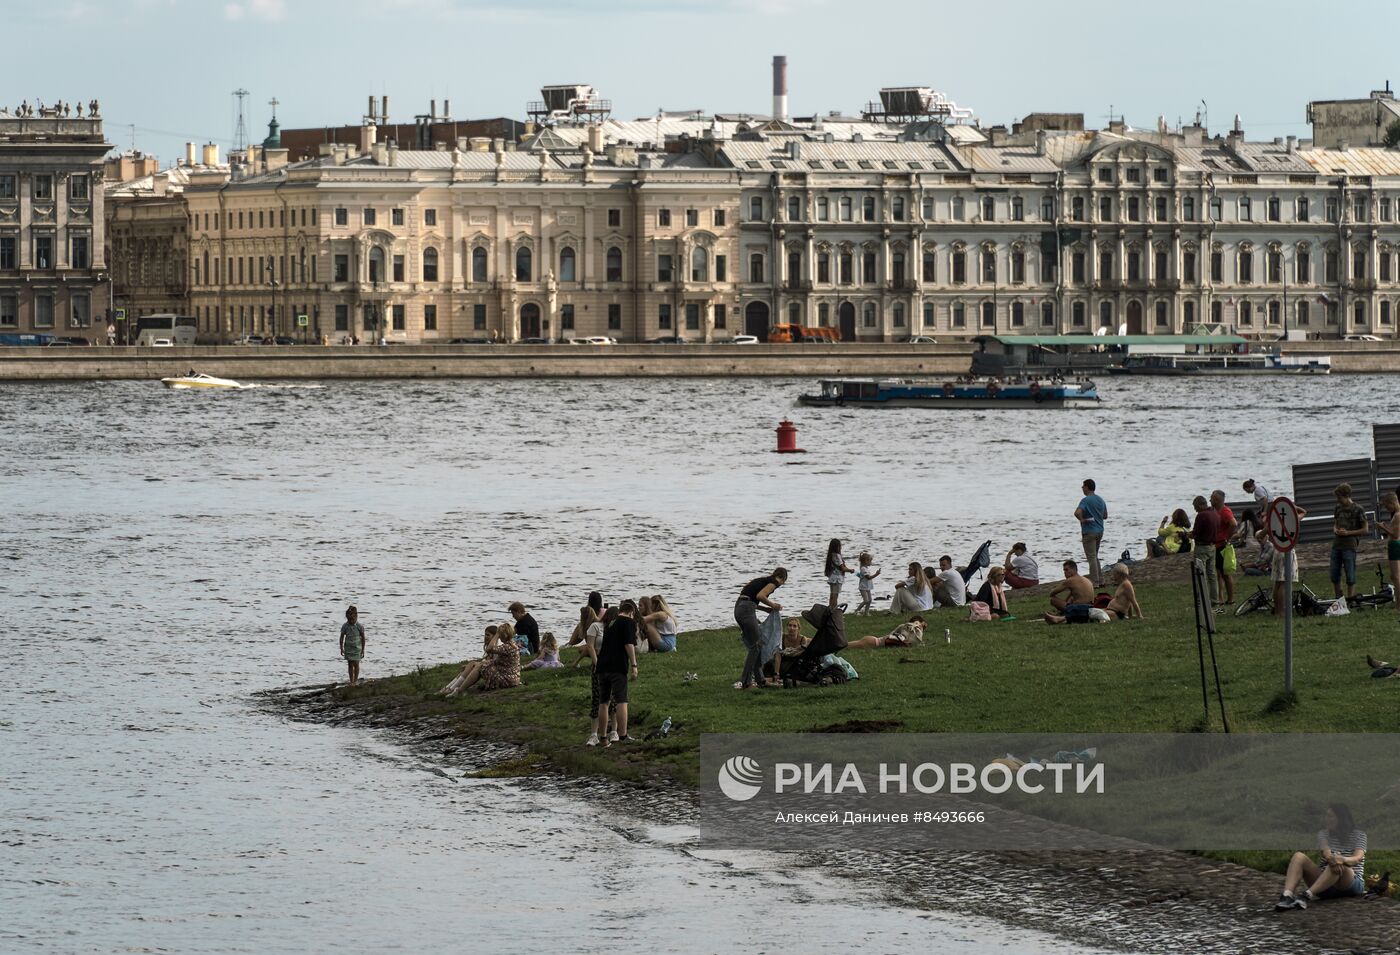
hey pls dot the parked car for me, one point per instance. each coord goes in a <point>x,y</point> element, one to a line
<point>922,340</point>
<point>250,340</point>
<point>471,341</point>
<point>667,340</point>
<point>533,341</point>
<point>744,340</point>
<point>162,343</point>
<point>68,341</point>
<point>1363,338</point>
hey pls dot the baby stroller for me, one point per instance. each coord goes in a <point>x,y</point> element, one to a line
<point>830,637</point>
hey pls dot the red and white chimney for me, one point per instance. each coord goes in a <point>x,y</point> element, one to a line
<point>780,106</point>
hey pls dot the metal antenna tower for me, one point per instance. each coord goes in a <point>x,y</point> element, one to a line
<point>240,129</point>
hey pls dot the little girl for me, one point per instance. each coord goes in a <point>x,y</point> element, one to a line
<point>867,575</point>
<point>352,642</point>
<point>836,570</point>
<point>549,654</point>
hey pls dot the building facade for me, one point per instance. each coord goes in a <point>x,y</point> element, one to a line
<point>53,273</point>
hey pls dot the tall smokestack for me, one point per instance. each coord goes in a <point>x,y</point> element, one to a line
<point>780,88</point>
<point>384,110</point>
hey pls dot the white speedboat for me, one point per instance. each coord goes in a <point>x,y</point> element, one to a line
<point>200,381</point>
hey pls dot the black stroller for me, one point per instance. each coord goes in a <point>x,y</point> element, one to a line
<point>980,561</point>
<point>830,637</point>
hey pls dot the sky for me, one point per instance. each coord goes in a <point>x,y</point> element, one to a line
<point>164,70</point>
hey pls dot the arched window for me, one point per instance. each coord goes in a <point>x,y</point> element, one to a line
<point>430,265</point>
<point>478,265</point>
<point>376,264</point>
<point>523,264</point>
<point>699,265</point>
<point>568,269</point>
<point>614,264</point>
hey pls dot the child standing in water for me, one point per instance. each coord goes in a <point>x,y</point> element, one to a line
<point>352,642</point>
<point>867,575</point>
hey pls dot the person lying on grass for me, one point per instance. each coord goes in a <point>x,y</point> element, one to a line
<point>1342,869</point>
<point>910,634</point>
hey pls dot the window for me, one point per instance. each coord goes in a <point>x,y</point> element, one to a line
<point>1159,208</point>
<point>1018,209</point>
<point>989,266</point>
<point>929,318</point>
<point>692,217</point>
<point>1188,208</point>
<point>478,264</point>
<point>1105,208</point>
<point>1275,268</point>
<point>342,217</point>
<point>7,186</point>
<point>959,268</point>
<point>1047,313</point>
<point>1358,209</point>
<point>1133,174</point>
<point>823,208</point>
<point>80,309</point>
<point>663,217</point>
<point>898,313</point>
<point>566,317</point>
<point>897,208</point>
<point>845,207</point>
<point>692,316</point>
<point>1217,209</point>
<point>926,208</point>
<point>959,319</point>
<point>663,315</point>
<point>699,265</point>
<point>1333,209</point>
<point>794,313</point>
<point>524,264</point>
<point>1105,174</point>
<point>719,217</point>
<point>958,209</point>
<point>868,315</point>
<point>1246,209</point>
<point>1159,265</point>
<point>1244,313</point>
<point>1273,210</point>
<point>396,217</point>
<point>867,268</point>
<point>721,268</point>
<point>1383,261</point>
<point>1018,314</point>
<point>1076,208</point>
<point>1302,264</point>
<point>1217,266</point>
<point>1018,268</point>
<point>568,265</point>
<point>614,317</point>
<point>897,269</point>
<point>989,315</point>
<point>79,187</point>
<point>397,316</point>
<point>429,217</point>
<point>1385,312</point>
<point>1188,266</point>
<point>756,207</point>
<point>1246,268</point>
<point>1358,264</point>
<point>1077,314</point>
<point>794,268</point>
<point>756,267</point>
<point>1300,209</point>
<point>930,267</point>
<point>376,264</point>
<point>844,263</point>
<point>43,252</point>
<point>1105,266</point>
<point>1134,209</point>
<point>367,217</point>
<point>430,265</point>
<point>1384,209</point>
<point>342,318</point>
<point>664,268</point>
<point>867,208</point>
<point>1161,310</point>
<point>1159,174</point>
<point>479,317</point>
<point>398,268</point>
<point>794,209</point>
<point>41,186</point>
<point>1047,209</point>
<point>1076,268</point>
<point>989,209</point>
<point>1106,315</point>
<point>614,218</point>
<point>1303,316</point>
<point>43,311</point>
<point>78,251</point>
<point>1134,266</point>
<point>823,267</point>
<point>1331,268</point>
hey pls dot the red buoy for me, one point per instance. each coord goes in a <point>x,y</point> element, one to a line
<point>787,438</point>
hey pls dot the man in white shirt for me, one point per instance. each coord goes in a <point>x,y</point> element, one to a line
<point>1252,523</point>
<point>1021,568</point>
<point>950,589</point>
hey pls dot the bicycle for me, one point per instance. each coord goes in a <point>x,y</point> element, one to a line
<point>1261,599</point>
<point>1383,594</point>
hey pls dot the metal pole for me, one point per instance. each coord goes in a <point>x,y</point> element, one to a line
<point>1288,564</point>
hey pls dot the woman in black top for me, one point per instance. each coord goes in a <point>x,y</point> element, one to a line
<point>756,592</point>
<point>991,593</point>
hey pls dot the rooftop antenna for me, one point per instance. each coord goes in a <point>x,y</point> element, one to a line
<point>240,129</point>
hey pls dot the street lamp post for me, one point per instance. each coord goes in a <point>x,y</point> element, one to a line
<point>272,300</point>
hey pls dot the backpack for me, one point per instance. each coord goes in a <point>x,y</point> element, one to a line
<point>977,610</point>
<point>1101,601</point>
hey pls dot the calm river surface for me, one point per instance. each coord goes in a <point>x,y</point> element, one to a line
<point>165,555</point>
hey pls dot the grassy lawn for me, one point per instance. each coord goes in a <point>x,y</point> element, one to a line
<point>1014,676</point>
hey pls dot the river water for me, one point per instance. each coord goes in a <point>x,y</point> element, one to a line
<point>166,555</point>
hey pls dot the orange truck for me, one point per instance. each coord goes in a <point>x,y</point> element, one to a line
<point>801,333</point>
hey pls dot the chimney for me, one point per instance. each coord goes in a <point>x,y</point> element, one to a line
<point>432,110</point>
<point>384,111</point>
<point>1292,142</point>
<point>780,106</point>
<point>496,144</point>
<point>211,154</point>
<point>368,133</point>
<point>1040,142</point>
<point>595,138</point>
<point>380,152</point>
<point>370,114</point>
<point>190,159</point>
<point>795,150</point>
<point>447,109</point>
<point>275,158</point>
<point>393,156</point>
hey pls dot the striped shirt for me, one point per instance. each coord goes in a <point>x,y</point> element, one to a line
<point>1345,846</point>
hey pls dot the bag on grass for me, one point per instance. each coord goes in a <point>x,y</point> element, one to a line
<point>832,660</point>
<point>1338,608</point>
<point>977,610</point>
<point>1229,560</point>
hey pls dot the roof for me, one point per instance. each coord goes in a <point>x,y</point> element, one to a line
<point>1052,340</point>
<point>1357,161</point>
<point>876,157</point>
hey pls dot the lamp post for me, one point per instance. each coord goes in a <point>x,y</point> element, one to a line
<point>272,300</point>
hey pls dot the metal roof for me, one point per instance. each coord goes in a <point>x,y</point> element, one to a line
<point>1009,159</point>
<point>863,157</point>
<point>1050,340</point>
<point>1359,161</point>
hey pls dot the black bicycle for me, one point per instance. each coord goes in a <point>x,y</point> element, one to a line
<point>1261,599</point>
<point>1383,593</point>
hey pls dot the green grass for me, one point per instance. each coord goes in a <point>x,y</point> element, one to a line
<point>1020,676</point>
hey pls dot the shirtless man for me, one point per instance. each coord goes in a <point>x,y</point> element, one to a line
<point>1124,604</point>
<point>1076,588</point>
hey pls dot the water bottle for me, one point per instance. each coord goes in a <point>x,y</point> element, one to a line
<point>947,635</point>
<point>666,727</point>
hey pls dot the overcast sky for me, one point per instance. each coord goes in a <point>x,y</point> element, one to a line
<point>168,67</point>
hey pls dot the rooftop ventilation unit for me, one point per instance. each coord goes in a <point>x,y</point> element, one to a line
<point>908,104</point>
<point>570,103</point>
